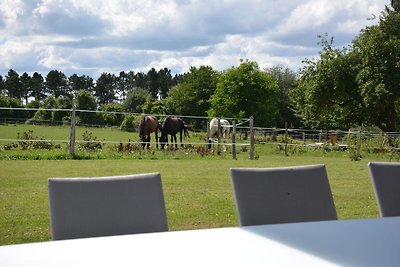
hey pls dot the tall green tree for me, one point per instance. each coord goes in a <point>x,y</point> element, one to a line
<point>378,48</point>
<point>77,83</point>
<point>287,82</point>
<point>358,85</point>
<point>140,80</point>
<point>191,96</point>
<point>123,84</point>
<point>246,91</point>
<point>153,83</point>
<point>135,100</point>
<point>12,85</point>
<point>37,87</point>
<point>2,91</point>
<point>165,81</point>
<point>105,88</point>
<point>25,86</point>
<point>328,95</point>
<point>395,5</point>
<point>57,84</point>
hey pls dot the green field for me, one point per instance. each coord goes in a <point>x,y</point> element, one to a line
<point>197,189</point>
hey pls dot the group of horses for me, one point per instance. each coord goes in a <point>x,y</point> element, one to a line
<point>172,126</point>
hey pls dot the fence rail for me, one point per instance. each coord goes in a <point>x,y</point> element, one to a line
<point>73,114</point>
<point>287,137</point>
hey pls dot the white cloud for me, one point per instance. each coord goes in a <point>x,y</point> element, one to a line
<point>10,50</point>
<point>309,14</point>
<point>93,36</point>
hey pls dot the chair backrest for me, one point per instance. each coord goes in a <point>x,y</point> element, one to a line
<point>103,206</point>
<point>385,177</point>
<point>282,195</point>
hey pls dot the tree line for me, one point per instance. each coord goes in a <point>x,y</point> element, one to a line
<point>198,92</point>
<point>347,87</point>
<point>108,88</point>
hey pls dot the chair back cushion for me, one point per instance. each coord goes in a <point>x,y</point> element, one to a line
<point>102,206</point>
<point>385,178</point>
<point>282,195</point>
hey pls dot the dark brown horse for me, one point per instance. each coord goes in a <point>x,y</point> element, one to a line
<point>148,125</point>
<point>172,126</point>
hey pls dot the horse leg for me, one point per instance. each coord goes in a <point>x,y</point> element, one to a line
<point>180,137</point>
<point>148,142</point>
<point>174,138</point>
<point>224,136</point>
<point>143,142</point>
<point>156,134</point>
<point>163,140</point>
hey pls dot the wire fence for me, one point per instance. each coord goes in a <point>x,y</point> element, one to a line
<point>283,137</point>
<point>92,118</point>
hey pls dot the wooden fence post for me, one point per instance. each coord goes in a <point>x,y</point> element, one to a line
<point>72,132</point>
<point>252,137</point>
<point>234,140</point>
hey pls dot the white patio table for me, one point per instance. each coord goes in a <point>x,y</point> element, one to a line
<point>360,242</point>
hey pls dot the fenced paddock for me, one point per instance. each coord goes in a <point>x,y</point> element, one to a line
<point>198,191</point>
<point>71,118</point>
<point>244,134</point>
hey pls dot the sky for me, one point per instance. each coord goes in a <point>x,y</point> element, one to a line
<point>89,37</point>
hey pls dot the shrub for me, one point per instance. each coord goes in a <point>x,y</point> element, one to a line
<point>28,141</point>
<point>90,143</point>
<point>129,124</point>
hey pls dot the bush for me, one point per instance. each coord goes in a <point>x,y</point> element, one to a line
<point>90,143</point>
<point>130,123</point>
<point>28,141</point>
<point>41,116</point>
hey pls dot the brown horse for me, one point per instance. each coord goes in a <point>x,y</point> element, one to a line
<point>148,125</point>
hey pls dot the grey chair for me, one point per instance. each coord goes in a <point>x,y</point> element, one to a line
<point>282,195</point>
<point>385,177</point>
<point>103,206</point>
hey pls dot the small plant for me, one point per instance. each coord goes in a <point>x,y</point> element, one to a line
<point>42,144</point>
<point>25,140</point>
<point>202,151</point>
<point>355,155</point>
<point>354,143</point>
<point>394,148</point>
<point>127,147</point>
<point>9,146</point>
<point>90,142</point>
<point>28,141</point>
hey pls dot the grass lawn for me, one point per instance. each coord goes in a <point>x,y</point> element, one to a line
<point>197,190</point>
<point>198,193</point>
